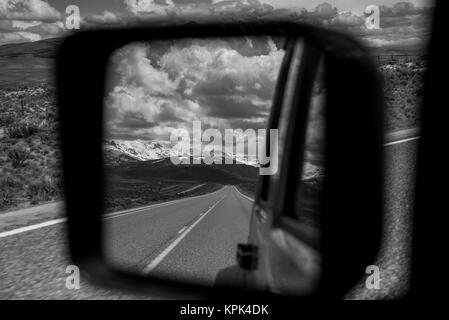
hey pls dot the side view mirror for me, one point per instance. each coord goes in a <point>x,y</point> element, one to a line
<point>296,212</point>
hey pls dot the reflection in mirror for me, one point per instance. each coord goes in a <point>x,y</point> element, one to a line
<point>311,179</point>
<point>290,261</point>
<point>183,121</point>
<point>300,271</point>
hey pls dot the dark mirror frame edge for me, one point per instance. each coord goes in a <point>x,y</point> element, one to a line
<point>351,79</point>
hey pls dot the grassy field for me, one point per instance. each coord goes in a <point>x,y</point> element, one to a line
<point>29,151</point>
<point>248,189</point>
<point>28,63</point>
<point>124,194</point>
<point>403,83</point>
<point>138,183</point>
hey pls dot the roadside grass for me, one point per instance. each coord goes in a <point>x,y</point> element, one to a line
<point>403,90</point>
<point>248,189</point>
<point>121,194</point>
<point>29,154</point>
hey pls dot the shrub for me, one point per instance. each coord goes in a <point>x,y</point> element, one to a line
<point>6,119</point>
<point>52,115</point>
<point>8,187</point>
<point>9,182</point>
<point>18,156</point>
<point>5,198</point>
<point>42,189</point>
<point>22,129</point>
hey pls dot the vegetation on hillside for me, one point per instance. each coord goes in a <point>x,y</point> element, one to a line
<point>29,154</point>
<point>122,194</point>
<point>403,83</point>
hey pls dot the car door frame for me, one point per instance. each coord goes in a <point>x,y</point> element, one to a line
<point>268,214</point>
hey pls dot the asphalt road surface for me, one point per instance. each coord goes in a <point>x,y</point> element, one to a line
<point>195,242</point>
<point>189,239</point>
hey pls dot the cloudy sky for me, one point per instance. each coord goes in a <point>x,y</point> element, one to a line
<point>402,23</point>
<point>158,87</point>
<point>155,87</point>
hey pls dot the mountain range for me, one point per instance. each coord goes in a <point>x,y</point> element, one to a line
<point>140,159</point>
<point>119,151</point>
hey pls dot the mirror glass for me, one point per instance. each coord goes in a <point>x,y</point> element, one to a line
<point>184,132</point>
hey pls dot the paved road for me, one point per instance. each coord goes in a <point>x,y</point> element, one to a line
<point>33,262</point>
<point>192,239</point>
<point>394,257</point>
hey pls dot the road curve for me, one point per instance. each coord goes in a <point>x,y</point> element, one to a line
<point>190,239</point>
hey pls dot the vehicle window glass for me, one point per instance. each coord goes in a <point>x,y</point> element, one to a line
<point>284,118</point>
<point>310,181</point>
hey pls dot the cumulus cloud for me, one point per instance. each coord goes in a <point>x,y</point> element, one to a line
<point>400,15</point>
<point>347,19</point>
<point>134,67</point>
<point>20,24</point>
<point>14,31</point>
<point>28,10</point>
<point>163,86</point>
<point>148,6</point>
<point>208,68</point>
<point>206,80</point>
<point>325,11</point>
<point>255,6</point>
<point>28,20</point>
<point>143,92</point>
<point>193,2</point>
<point>46,30</point>
<point>400,9</point>
<point>180,9</point>
<point>107,18</point>
<point>7,26</point>
<point>394,41</point>
<point>17,37</point>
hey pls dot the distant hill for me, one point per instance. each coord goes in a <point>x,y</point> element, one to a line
<point>399,50</point>
<point>164,169</point>
<point>117,151</point>
<point>28,63</point>
<point>33,62</point>
<point>47,48</point>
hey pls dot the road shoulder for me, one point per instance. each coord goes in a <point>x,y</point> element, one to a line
<point>32,215</point>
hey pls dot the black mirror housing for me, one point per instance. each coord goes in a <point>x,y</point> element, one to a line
<point>352,200</point>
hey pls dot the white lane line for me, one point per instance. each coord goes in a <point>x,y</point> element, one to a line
<point>153,264</point>
<point>401,141</point>
<point>182,229</point>
<point>153,206</point>
<point>247,198</point>
<point>108,216</point>
<point>32,227</point>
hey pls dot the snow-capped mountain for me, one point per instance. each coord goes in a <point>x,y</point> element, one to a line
<point>117,151</point>
<point>120,151</point>
<point>139,149</point>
